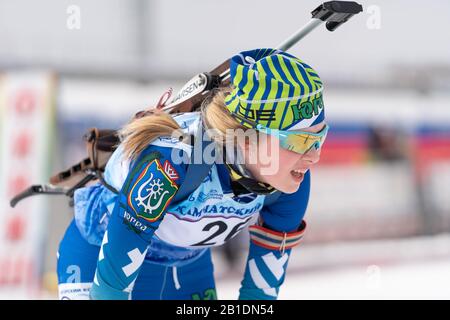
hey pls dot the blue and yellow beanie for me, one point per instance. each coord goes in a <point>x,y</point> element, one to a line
<point>274,89</point>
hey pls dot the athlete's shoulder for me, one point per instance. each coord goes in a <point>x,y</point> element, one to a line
<point>156,174</point>
<point>170,149</point>
<point>150,186</point>
<point>189,123</point>
<point>170,155</point>
<point>161,162</point>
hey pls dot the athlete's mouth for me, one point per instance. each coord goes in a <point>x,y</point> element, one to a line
<point>298,174</point>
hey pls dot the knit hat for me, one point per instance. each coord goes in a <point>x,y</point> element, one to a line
<point>274,89</point>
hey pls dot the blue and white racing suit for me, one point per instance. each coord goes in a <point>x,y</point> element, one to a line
<point>139,245</point>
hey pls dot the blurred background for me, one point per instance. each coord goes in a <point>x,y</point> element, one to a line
<point>379,213</point>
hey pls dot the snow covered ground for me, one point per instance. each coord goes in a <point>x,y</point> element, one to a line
<point>419,280</point>
<point>416,268</point>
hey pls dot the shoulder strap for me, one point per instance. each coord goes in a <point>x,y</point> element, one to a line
<point>195,175</point>
<point>197,169</point>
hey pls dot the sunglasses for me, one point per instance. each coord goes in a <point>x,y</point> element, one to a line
<point>297,141</point>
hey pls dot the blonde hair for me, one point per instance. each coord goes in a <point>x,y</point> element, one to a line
<point>137,134</point>
<point>215,115</point>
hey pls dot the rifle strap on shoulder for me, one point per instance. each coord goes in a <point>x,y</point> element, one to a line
<point>197,169</point>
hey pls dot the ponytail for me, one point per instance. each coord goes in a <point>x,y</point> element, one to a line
<point>138,133</point>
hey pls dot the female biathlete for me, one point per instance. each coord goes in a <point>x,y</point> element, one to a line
<point>144,242</point>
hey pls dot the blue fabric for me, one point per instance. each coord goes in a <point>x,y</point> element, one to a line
<point>264,274</point>
<point>77,259</point>
<point>131,228</point>
<point>265,269</point>
<point>91,213</point>
<point>77,263</point>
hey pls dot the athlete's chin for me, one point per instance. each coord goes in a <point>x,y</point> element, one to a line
<point>290,187</point>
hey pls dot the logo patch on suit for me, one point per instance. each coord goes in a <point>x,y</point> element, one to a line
<point>152,192</point>
<point>170,170</point>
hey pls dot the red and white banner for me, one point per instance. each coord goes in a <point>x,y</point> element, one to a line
<point>27,125</point>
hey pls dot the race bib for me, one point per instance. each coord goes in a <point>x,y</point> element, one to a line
<point>208,217</point>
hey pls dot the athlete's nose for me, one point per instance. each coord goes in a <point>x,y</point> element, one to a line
<point>312,156</point>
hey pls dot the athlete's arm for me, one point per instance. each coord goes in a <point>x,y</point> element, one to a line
<point>151,184</point>
<point>279,228</point>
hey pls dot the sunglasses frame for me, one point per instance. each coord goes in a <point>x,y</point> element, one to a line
<point>284,133</point>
